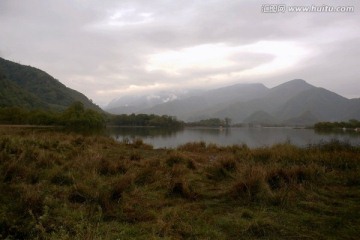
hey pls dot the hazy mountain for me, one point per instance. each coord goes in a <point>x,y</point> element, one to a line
<point>29,87</point>
<point>204,105</point>
<point>294,103</point>
<point>261,117</point>
<point>237,92</point>
<point>283,92</point>
<point>136,103</point>
<point>306,118</point>
<point>354,109</point>
<point>271,102</point>
<point>323,104</point>
<point>186,105</point>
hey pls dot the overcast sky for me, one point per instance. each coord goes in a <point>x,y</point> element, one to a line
<point>106,49</point>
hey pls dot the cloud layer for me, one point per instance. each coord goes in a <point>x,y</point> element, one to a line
<point>106,49</point>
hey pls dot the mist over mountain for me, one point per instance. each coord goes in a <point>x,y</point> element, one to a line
<point>32,88</point>
<point>198,105</point>
<point>137,103</point>
<point>295,102</point>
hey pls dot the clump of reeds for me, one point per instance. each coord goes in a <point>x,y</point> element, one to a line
<point>252,186</point>
<point>175,158</point>
<point>180,187</point>
<point>62,178</point>
<point>193,146</point>
<point>223,168</point>
<point>262,228</point>
<point>139,143</point>
<point>111,167</point>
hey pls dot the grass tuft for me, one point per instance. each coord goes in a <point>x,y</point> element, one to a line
<point>252,187</point>
<point>262,228</point>
<point>175,158</point>
<point>222,169</point>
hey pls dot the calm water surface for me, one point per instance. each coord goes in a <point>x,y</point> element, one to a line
<point>253,137</point>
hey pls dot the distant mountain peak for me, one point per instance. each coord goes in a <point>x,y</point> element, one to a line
<point>299,80</point>
<point>294,83</point>
<point>289,89</point>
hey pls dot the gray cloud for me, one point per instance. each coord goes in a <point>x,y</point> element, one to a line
<point>102,47</point>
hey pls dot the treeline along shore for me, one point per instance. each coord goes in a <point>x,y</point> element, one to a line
<point>57,185</point>
<point>76,116</point>
<point>352,124</point>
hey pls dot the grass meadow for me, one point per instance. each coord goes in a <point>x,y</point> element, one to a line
<point>56,185</point>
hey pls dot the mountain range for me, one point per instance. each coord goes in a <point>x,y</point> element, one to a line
<point>31,88</point>
<point>295,102</point>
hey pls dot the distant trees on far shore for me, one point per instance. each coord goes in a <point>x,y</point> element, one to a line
<point>352,124</point>
<point>211,122</point>
<point>145,120</point>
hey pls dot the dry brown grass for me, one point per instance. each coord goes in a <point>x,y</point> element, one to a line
<point>68,186</point>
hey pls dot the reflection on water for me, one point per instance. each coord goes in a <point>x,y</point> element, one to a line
<point>253,137</point>
<point>344,132</point>
<point>121,133</point>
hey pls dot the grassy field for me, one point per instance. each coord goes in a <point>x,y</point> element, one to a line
<point>57,185</point>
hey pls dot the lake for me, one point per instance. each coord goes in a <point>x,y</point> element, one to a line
<point>252,137</point>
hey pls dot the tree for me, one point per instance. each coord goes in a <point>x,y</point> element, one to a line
<point>75,116</point>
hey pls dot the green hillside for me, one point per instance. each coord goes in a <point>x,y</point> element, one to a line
<point>29,87</point>
<point>13,95</point>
